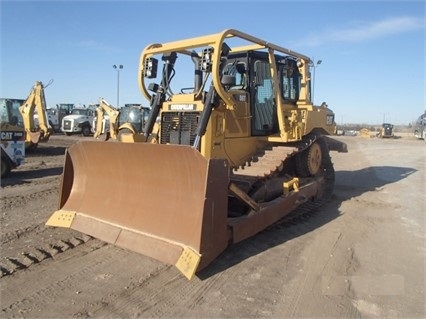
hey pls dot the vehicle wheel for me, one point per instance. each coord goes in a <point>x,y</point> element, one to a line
<point>316,161</point>
<point>308,163</point>
<point>86,130</point>
<point>103,137</point>
<point>5,167</point>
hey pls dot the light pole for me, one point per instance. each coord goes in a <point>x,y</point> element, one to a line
<point>118,68</point>
<point>384,117</point>
<point>314,66</point>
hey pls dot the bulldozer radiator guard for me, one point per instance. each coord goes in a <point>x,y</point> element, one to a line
<point>164,201</point>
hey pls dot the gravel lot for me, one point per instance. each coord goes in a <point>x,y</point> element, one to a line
<point>361,255</point>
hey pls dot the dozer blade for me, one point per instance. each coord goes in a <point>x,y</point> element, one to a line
<point>164,201</point>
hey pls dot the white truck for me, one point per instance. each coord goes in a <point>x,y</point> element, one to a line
<point>55,115</point>
<point>80,121</point>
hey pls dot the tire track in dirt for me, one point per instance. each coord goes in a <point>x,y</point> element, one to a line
<point>34,255</point>
<point>160,293</point>
<point>47,289</point>
<point>17,233</point>
<point>318,280</point>
<point>9,202</point>
<point>327,266</point>
<point>96,276</point>
<point>24,238</point>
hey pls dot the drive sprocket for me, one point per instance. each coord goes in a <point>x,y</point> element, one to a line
<point>308,162</point>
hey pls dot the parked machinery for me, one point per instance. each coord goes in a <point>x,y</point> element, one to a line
<point>420,127</point>
<point>55,115</point>
<point>79,121</point>
<point>12,133</point>
<point>386,131</point>
<point>123,124</point>
<point>131,121</point>
<point>235,152</point>
<point>32,109</point>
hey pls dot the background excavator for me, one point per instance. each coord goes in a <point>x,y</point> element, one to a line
<point>24,124</point>
<point>237,149</point>
<point>35,104</point>
<point>124,124</point>
<point>12,133</point>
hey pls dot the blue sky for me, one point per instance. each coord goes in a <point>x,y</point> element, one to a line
<point>373,53</point>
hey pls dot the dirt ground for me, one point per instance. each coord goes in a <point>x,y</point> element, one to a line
<point>361,255</point>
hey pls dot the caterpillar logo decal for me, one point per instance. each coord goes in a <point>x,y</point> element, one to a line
<point>12,136</point>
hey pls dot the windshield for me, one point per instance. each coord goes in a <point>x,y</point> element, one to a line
<point>9,111</point>
<point>79,111</point>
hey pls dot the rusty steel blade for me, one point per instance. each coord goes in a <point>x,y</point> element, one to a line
<point>158,200</point>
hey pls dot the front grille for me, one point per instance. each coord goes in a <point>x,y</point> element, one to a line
<point>179,127</point>
<point>67,125</point>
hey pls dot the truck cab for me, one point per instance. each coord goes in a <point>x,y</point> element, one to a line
<point>79,121</point>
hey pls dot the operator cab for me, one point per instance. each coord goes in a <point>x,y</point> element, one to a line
<point>9,112</point>
<point>236,76</point>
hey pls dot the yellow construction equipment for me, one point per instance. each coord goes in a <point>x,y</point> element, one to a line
<point>105,126</point>
<point>35,104</point>
<point>124,124</point>
<point>12,135</point>
<point>386,131</point>
<point>235,152</point>
<point>364,132</point>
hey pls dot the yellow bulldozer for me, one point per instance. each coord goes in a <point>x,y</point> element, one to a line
<point>238,147</point>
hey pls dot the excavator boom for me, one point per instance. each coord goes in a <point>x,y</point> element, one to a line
<point>101,127</point>
<point>36,103</point>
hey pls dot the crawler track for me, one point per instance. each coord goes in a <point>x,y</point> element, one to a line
<point>284,163</point>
